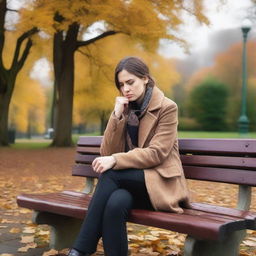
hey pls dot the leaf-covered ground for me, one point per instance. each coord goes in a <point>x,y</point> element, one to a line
<point>48,170</point>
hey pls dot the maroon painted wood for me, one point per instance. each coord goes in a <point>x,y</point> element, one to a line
<point>84,171</point>
<point>233,176</point>
<point>93,141</point>
<point>88,150</point>
<point>248,163</point>
<point>219,146</point>
<point>199,223</point>
<point>85,159</point>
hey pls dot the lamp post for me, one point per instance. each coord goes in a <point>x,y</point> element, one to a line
<point>243,121</point>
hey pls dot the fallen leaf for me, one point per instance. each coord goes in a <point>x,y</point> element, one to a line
<point>249,243</point>
<point>23,210</point>
<point>43,232</point>
<point>134,237</point>
<point>15,230</point>
<point>27,247</point>
<point>49,253</point>
<point>29,230</point>
<point>27,239</point>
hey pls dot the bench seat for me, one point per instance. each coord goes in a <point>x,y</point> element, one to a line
<point>202,221</point>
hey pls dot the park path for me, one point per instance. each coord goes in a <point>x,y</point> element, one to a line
<point>48,170</point>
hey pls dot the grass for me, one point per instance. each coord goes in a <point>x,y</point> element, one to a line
<point>221,135</point>
<point>44,143</point>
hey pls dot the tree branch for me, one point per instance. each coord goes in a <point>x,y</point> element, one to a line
<point>2,29</point>
<point>11,10</point>
<point>24,56</point>
<point>90,41</point>
<point>19,43</point>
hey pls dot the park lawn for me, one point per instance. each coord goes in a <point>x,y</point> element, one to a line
<point>221,135</point>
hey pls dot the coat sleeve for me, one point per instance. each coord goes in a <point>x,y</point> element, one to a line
<point>159,147</point>
<point>113,141</point>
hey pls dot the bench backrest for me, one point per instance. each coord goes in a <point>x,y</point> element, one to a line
<point>221,160</point>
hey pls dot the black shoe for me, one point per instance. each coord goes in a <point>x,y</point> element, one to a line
<point>74,252</point>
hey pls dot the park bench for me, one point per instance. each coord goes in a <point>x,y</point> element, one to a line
<point>210,229</point>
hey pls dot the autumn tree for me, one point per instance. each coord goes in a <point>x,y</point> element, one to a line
<point>28,104</point>
<point>8,75</point>
<point>68,21</point>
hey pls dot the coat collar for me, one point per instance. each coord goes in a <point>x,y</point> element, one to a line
<point>148,120</point>
<point>156,99</point>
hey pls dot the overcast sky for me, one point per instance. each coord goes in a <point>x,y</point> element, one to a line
<point>229,15</point>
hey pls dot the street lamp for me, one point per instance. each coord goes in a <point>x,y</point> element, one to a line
<point>243,121</point>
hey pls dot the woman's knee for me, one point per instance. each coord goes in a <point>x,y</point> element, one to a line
<point>120,201</point>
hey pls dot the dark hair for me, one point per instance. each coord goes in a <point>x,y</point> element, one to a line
<point>135,66</point>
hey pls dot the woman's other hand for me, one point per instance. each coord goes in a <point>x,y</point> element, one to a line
<point>121,103</point>
<point>101,164</point>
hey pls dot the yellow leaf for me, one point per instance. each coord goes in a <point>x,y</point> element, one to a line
<point>15,230</point>
<point>49,253</point>
<point>23,210</point>
<point>27,247</point>
<point>27,239</point>
<point>43,233</point>
<point>249,243</point>
<point>29,230</point>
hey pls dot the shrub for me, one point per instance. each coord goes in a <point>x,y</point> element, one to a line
<point>208,104</point>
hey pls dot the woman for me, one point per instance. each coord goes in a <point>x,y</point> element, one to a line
<point>139,164</point>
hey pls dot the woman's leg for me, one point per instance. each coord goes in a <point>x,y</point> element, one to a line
<point>91,229</point>
<point>132,194</point>
<point>114,233</point>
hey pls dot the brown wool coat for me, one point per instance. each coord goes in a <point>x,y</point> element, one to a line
<point>157,153</point>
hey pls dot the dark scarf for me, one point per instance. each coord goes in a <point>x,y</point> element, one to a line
<point>135,113</point>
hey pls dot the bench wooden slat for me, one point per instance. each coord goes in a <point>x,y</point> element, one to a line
<point>85,159</point>
<point>93,141</point>
<point>228,146</point>
<point>249,216</point>
<point>84,170</point>
<point>219,161</point>
<point>196,223</point>
<point>196,160</point>
<point>218,146</point>
<point>232,176</point>
<point>88,150</point>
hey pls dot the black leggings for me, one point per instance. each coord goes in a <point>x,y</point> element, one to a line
<point>117,192</point>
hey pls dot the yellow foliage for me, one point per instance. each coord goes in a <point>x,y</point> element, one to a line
<point>145,20</point>
<point>28,105</point>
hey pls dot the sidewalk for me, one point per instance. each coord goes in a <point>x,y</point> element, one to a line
<point>12,229</point>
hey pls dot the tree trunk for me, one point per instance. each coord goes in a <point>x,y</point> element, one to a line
<point>64,82</point>
<point>4,110</point>
<point>6,90</point>
<point>103,121</point>
<point>8,76</point>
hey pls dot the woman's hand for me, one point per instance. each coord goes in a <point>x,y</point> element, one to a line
<point>121,103</point>
<point>101,164</point>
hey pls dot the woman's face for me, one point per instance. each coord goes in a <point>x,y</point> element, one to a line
<point>131,86</point>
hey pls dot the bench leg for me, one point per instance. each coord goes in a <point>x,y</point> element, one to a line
<point>63,229</point>
<point>228,247</point>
